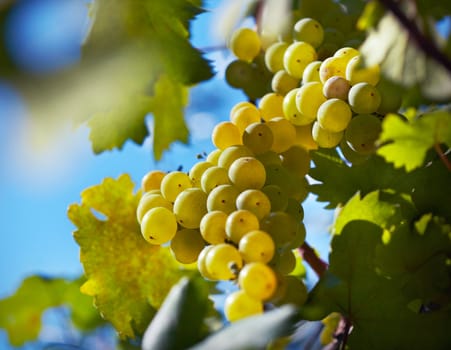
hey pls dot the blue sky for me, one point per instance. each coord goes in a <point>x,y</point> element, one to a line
<point>42,173</point>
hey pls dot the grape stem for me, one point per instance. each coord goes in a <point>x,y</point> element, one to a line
<point>442,156</point>
<point>426,45</point>
<point>316,263</point>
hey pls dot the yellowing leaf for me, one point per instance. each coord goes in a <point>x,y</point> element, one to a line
<point>128,277</point>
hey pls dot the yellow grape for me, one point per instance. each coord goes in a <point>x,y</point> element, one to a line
<point>223,198</point>
<point>283,132</point>
<point>232,153</point>
<point>245,44</point>
<point>241,104</point>
<point>226,134</point>
<point>187,245</point>
<point>239,305</point>
<point>308,30</point>
<point>357,72</point>
<point>223,262</point>
<point>270,106</point>
<point>196,171</point>
<point>152,180</point>
<point>258,138</point>
<point>334,115</point>
<point>364,98</point>
<point>202,262</point>
<point>332,66</point>
<point>346,53</point>
<point>247,172</point>
<point>336,87</point>
<point>255,201</point>
<point>244,116</point>
<point>158,225</point>
<point>304,137</point>
<point>325,138</point>
<point>258,280</point>
<point>213,177</point>
<point>151,200</point>
<point>239,223</point>
<point>212,227</point>
<point>291,112</point>
<point>257,245</point>
<point>297,56</point>
<point>297,160</point>
<point>274,56</point>
<point>213,156</point>
<point>174,183</point>
<point>190,206</point>
<point>311,72</point>
<point>282,82</point>
<point>308,99</point>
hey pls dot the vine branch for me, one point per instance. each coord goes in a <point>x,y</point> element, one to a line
<point>442,156</point>
<point>426,45</point>
<point>316,263</point>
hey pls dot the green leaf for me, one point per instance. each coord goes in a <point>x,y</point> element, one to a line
<point>401,61</point>
<point>21,313</point>
<point>178,323</point>
<point>128,277</point>
<point>254,332</point>
<point>168,114</point>
<point>410,141</point>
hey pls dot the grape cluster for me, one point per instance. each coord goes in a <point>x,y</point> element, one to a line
<point>238,212</point>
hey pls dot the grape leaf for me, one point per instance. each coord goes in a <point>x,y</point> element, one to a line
<point>410,141</point>
<point>20,314</point>
<point>148,42</point>
<point>391,46</point>
<point>127,277</point>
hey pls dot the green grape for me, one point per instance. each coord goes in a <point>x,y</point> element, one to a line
<point>299,238</point>
<point>325,138</point>
<point>295,292</point>
<point>332,66</point>
<point>232,153</point>
<point>196,171</point>
<point>350,155</point>
<point>283,133</point>
<point>270,106</point>
<point>257,245</point>
<point>297,56</point>
<point>213,156</point>
<point>158,225</point>
<point>239,74</point>
<point>226,134</point>
<point>346,53</point>
<point>357,72</point>
<point>308,30</point>
<point>326,49</point>
<point>336,87</point>
<point>364,98</point>
<point>202,262</point>
<point>213,177</point>
<point>245,44</point>
<point>299,187</point>
<point>281,226</point>
<point>277,197</point>
<point>291,112</point>
<point>308,99</point>
<point>282,82</point>
<point>190,206</point>
<point>297,160</point>
<point>391,96</point>
<point>174,183</point>
<point>187,245</point>
<point>269,158</point>
<point>283,262</point>
<point>223,262</point>
<point>239,305</point>
<point>362,133</point>
<point>280,176</point>
<point>223,198</point>
<point>152,180</point>
<point>212,227</point>
<point>274,56</point>
<point>334,115</point>
<point>239,223</point>
<point>247,172</point>
<point>149,201</point>
<point>255,201</point>
<point>258,280</point>
<point>311,72</point>
<point>295,209</point>
<point>304,137</point>
<point>333,35</point>
<point>258,138</point>
<point>241,104</point>
<point>244,116</point>
<point>338,18</point>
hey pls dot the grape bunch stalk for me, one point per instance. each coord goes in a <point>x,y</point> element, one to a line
<point>238,212</point>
